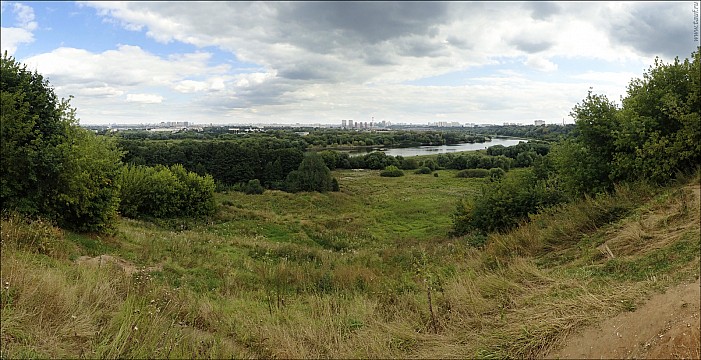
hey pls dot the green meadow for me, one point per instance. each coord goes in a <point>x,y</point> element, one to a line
<point>366,272</point>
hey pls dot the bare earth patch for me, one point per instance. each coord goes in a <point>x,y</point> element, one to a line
<point>667,326</point>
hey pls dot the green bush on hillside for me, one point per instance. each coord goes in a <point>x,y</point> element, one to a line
<point>423,170</point>
<point>391,171</point>
<point>165,192</point>
<point>502,205</point>
<point>253,187</point>
<point>473,173</point>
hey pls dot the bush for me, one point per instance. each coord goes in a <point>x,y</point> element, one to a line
<point>496,174</point>
<point>312,175</point>
<point>391,171</point>
<point>423,170</point>
<point>502,205</point>
<point>165,192</point>
<point>334,185</point>
<point>407,164</point>
<point>253,187</point>
<point>473,173</point>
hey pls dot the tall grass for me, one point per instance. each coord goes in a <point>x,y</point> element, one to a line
<point>364,273</point>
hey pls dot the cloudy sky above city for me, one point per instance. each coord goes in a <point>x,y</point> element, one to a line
<point>321,62</point>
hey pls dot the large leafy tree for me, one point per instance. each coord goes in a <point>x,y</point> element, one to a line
<point>660,131</point>
<point>50,167</point>
<point>312,175</point>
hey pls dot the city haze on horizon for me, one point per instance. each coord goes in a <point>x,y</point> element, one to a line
<point>226,63</point>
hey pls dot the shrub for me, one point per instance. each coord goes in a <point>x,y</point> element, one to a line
<point>473,173</point>
<point>496,174</point>
<point>502,205</point>
<point>391,171</point>
<point>253,187</point>
<point>165,192</point>
<point>423,170</point>
<point>334,185</point>
<point>407,164</point>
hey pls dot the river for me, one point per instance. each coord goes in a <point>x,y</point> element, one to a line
<point>439,149</point>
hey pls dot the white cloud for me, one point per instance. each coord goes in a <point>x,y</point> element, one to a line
<point>25,16</point>
<point>12,37</point>
<point>319,61</point>
<point>127,66</point>
<point>145,98</point>
<point>541,64</point>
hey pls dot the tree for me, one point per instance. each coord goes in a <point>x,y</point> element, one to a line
<point>660,131</point>
<point>312,175</point>
<point>49,166</point>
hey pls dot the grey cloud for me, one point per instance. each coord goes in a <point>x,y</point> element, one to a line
<point>420,48</point>
<point>655,29</point>
<point>459,42</point>
<point>530,45</point>
<point>371,22</point>
<point>541,10</point>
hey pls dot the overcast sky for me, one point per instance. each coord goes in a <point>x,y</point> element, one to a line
<point>321,62</point>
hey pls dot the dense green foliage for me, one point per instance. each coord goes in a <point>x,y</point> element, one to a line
<point>655,135</point>
<point>398,138</point>
<point>272,156</point>
<point>473,173</point>
<point>312,175</point>
<point>473,160</point>
<point>504,204</point>
<point>549,132</point>
<point>165,192</point>
<point>391,171</point>
<point>50,167</point>
<point>230,162</point>
<point>253,187</point>
<point>423,170</point>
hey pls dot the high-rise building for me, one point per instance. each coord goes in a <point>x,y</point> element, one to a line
<point>350,124</point>
<point>344,123</point>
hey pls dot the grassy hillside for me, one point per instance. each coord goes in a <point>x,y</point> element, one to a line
<point>365,272</point>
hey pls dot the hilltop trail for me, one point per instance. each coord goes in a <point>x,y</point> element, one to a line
<point>666,326</point>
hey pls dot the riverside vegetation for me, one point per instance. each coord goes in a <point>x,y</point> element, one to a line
<point>369,270</point>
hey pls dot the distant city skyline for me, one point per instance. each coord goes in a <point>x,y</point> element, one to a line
<point>322,62</point>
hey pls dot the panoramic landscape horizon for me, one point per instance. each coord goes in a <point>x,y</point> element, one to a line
<point>323,62</point>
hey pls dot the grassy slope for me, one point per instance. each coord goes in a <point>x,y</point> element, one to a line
<point>366,272</point>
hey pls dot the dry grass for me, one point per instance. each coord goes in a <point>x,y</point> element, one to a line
<point>254,284</point>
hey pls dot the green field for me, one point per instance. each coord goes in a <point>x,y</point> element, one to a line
<point>367,272</point>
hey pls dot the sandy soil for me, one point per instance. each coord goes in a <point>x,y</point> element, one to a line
<point>667,326</point>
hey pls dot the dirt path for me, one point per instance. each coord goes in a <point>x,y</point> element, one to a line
<point>667,326</point>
